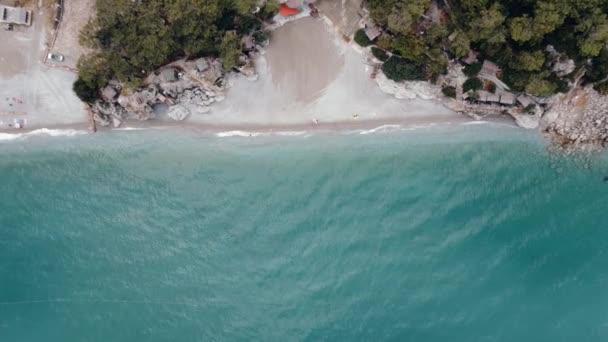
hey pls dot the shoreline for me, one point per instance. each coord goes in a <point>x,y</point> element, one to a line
<point>252,130</point>
<point>326,84</point>
<point>342,98</point>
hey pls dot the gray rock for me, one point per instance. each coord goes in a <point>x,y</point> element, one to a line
<point>116,122</point>
<point>178,112</point>
<point>101,119</point>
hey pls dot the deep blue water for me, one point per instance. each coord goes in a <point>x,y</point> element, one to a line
<point>459,234</point>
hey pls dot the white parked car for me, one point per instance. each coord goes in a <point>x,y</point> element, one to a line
<point>56,57</point>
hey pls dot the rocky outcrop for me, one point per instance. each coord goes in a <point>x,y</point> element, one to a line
<point>563,68</point>
<point>178,112</point>
<point>527,120</point>
<point>408,90</point>
<point>562,65</point>
<point>177,91</point>
<point>578,119</point>
<point>186,87</point>
<point>106,113</point>
<point>197,96</point>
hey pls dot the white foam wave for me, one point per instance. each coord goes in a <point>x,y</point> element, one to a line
<point>252,134</point>
<point>240,134</point>
<point>383,128</point>
<point>481,122</point>
<point>129,129</point>
<point>40,132</point>
<point>7,136</point>
<point>292,134</point>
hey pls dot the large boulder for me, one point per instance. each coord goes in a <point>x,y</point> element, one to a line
<point>409,89</point>
<point>527,121</point>
<point>178,112</point>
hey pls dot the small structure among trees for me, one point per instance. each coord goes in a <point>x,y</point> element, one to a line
<point>489,69</point>
<point>524,101</point>
<point>130,39</point>
<point>513,39</point>
<point>109,93</point>
<point>168,75</point>
<point>372,32</point>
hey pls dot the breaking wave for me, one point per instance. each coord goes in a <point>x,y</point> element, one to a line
<point>42,132</point>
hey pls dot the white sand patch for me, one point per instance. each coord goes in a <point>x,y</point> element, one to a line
<point>42,96</point>
<point>303,59</point>
<point>336,86</point>
<point>42,132</point>
<point>76,14</point>
<point>240,134</point>
<point>30,91</point>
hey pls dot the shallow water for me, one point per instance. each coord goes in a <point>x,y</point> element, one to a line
<point>465,234</point>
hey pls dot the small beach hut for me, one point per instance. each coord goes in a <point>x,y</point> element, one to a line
<point>372,32</point>
<point>482,95</point>
<point>493,98</point>
<point>168,75</point>
<point>490,69</point>
<point>507,99</point>
<point>486,96</point>
<point>109,93</point>
<point>524,101</point>
<point>15,15</point>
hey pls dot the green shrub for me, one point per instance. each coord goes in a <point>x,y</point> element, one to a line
<point>562,84</point>
<point>598,70</point>
<point>269,10</point>
<point>361,38</point>
<point>541,87</point>
<point>398,69</point>
<point>261,37</point>
<point>449,91</point>
<point>472,70</point>
<point>385,42</point>
<point>86,92</point>
<point>230,50</point>
<point>601,87</point>
<point>380,54</point>
<point>516,80</point>
<point>248,24</point>
<point>472,84</point>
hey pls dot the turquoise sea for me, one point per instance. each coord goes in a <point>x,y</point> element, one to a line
<point>469,233</point>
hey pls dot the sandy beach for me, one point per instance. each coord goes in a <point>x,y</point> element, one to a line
<point>309,77</point>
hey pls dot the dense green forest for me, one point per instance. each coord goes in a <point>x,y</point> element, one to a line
<point>131,38</point>
<point>512,33</point>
